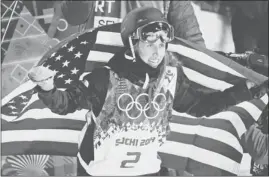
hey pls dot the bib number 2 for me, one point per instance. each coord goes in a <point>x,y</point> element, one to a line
<point>126,163</point>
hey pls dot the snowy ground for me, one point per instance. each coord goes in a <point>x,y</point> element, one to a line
<point>217,34</point>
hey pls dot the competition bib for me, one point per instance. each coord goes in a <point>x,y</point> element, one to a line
<point>130,153</point>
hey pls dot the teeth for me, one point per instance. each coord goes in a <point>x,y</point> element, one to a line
<point>154,60</point>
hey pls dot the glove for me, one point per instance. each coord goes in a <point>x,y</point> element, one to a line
<point>43,77</point>
<point>259,90</point>
<point>263,121</point>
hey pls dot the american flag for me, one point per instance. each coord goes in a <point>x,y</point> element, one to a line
<point>204,146</point>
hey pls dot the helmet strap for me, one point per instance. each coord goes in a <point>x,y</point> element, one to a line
<point>132,48</point>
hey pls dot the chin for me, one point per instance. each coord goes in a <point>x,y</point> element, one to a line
<point>154,65</point>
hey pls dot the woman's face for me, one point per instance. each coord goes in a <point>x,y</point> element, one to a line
<point>152,53</point>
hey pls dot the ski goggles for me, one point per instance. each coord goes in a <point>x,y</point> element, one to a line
<point>151,32</point>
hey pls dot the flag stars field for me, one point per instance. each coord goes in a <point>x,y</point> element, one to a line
<point>66,63</point>
<point>65,45</point>
<point>12,101</point>
<point>59,57</point>
<point>68,81</point>
<point>78,55</point>
<point>14,112</point>
<point>84,42</point>
<point>74,71</point>
<point>12,107</point>
<point>53,54</point>
<point>24,103</point>
<point>23,97</point>
<point>61,76</point>
<point>71,49</point>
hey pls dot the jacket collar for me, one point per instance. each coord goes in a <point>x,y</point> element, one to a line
<point>136,71</point>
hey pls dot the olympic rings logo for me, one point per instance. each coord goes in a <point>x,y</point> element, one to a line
<point>134,103</point>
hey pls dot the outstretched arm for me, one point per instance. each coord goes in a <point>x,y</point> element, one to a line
<point>199,103</point>
<point>86,94</point>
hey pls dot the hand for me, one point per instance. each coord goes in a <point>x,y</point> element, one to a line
<point>43,77</point>
<point>259,90</point>
<point>250,84</point>
<point>263,121</point>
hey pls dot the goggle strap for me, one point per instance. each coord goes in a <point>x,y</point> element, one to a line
<point>132,47</point>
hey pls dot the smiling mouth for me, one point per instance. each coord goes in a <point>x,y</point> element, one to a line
<point>154,60</point>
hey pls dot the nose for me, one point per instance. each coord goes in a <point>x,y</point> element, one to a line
<point>156,51</point>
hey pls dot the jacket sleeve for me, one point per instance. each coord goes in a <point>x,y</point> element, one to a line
<point>256,144</point>
<point>88,94</point>
<point>201,103</point>
<point>182,17</point>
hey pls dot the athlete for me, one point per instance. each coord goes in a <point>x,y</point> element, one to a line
<point>131,99</point>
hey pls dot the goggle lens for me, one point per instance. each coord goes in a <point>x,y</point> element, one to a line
<point>158,30</point>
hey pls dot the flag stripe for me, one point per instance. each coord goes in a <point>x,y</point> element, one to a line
<point>33,105</point>
<point>201,57</point>
<point>251,109</point>
<point>259,103</point>
<point>198,168</point>
<point>200,155</point>
<point>220,124</point>
<point>207,132</point>
<point>218,147</point>
<point>49,135</point>
<point>245,116</point>
<point>91,65</point>
<point>99,56</point>
<point>107,49</point>
<point>17,91</point>
<point>39,147</point>
<point>50,123</point>
<point>208,144</point>
<point>46,113</point>
<point>228,63</point>
<point>179,163</point>
<point>205,80</point>
<point>210,71</point>
<point>265,99</point>
<point>234,118</point>
<point>109,38</point>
